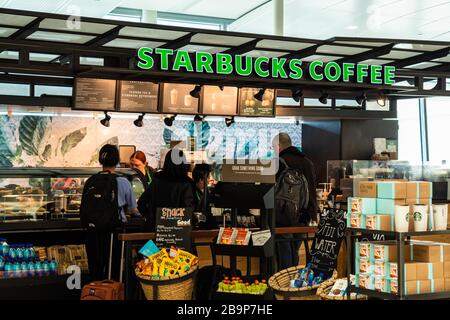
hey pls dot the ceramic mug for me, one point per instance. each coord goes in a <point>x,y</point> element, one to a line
<point>401,218</point>
<point>440,215</point>
<point>420,215</point>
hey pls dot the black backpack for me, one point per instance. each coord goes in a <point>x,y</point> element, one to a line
<point>291,196</point>
<point>99,203</point>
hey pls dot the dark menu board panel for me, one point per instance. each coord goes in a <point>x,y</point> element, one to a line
<point>173,228</point>
<point>250,106</point>
<point>218,102</point>
<point>95,94</point>
<point>248,171</point>
<point>176,99</point>
<point>327,241</point>
<point>138,96</point>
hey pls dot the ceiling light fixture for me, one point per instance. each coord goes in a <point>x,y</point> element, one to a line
<point>139,122</point>
<point>221,88</point>
<point>196,91</point>
<point>381,100</point>
<point>297,94</point>
<point>199,118</point>
<point>106,120</point>
<point>360,99</point>
<point>259,95</point>
<point>229,121</point>
<point>168,121</point>
<point>323,98</point>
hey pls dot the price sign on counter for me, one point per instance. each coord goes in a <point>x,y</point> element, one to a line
<point>327,242</point>
<point>173,228</point>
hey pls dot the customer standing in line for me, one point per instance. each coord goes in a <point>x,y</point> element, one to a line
<point>200,175</point>
<point>170,188</point>
<point>296,159</point>
<point>98,200</point>
<point>138,161</point>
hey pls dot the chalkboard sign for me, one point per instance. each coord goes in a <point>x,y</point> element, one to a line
<point>327,242</point>
<point>173,228</point>
<point>375,237</point>
<point>250,106</point>
<point>95,94</point>
<point>138,96</point>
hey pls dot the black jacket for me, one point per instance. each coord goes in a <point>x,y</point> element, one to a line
<point>144,177</point>
<point>165,192</point>
<point>298,160</point>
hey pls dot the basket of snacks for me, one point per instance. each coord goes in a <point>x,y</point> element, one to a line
<point>337,291</point>
<point>238,288</point>
<point>168,275</point>
<point>296,283</point>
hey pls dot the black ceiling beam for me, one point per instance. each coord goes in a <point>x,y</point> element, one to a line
<point>27,30</point>
<point>370,54</point>
<point>302,53</point>
<point>444,67</point>
<point>424,57</point>
<point>179,42</point>
<point>243,48</point>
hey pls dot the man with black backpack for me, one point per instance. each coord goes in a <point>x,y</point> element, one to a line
<point>295,196</point>
<point>107,198</point>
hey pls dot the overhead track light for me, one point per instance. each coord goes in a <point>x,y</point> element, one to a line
<point>259,95</point>
<point>229,121</point>
<point>381,100</point>
<point>221,88</point>
<point>196,91</point>
<point>139,122</point>
<point>199,118</point>
<point>168,121</point>
<point>360,99</point>
<point>297,94</point>
<point>106,120</point>
<point>324,98</point>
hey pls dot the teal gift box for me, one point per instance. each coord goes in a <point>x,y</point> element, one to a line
<point>362,205</point>
<point>387,206</point>
<point>391,190</point>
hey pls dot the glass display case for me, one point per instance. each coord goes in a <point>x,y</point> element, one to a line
<point>47,194</point>
<point>344,175</point>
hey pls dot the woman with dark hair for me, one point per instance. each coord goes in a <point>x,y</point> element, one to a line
<point>138,161</point>
<point>170,188</point>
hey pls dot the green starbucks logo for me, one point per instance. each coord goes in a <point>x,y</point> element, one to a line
<point>417,216</point>
<point>407,217</point>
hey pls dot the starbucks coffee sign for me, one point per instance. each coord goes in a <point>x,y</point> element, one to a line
<point>263,67</point>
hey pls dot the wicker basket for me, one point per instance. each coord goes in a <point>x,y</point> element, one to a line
<point>168,288</point>
<point>325,288</point>
<point>280,283</point>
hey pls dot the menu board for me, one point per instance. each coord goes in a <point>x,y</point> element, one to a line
<point>327,241</point>
<point>218,102</point>
<point>248,171</point>
<point>175,98</point>
<point>95,94</point>
<point>249,106</point>
<point>173,228</point>
<point>138,96</point>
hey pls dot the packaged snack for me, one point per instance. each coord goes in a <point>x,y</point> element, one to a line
<point>186,257</point>
<point>159,256</point>
<point>242,236</point>
<point>364,250</point>
<point>149,249</point>
<point>381,284</point>
<point>173,252</point>
<point>168,267</point>
<point>226,236</point>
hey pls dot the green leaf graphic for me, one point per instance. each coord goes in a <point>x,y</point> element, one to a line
<point>72,140</point>
<point>32,131</point>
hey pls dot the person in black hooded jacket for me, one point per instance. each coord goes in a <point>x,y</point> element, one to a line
<point>294,158</point>
<point>170,188</point>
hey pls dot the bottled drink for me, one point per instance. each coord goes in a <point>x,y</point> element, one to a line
<point>8,270</point>
<point>24,268</point>
<point>31,270</point>
<point>53,267</point>
<point>27,253</point>
<point>20,251</point>
<point>4,247</point>
<point>37,268</point>
<point>2,263</point>
<point>12,252</point>
<point>17,272</point>
<point>32,251</point>
<point>46,268</point>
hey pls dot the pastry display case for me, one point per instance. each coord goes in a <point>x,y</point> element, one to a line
<point>47,194</point>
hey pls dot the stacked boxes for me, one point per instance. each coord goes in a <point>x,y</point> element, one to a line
<point>426,268</point>
<point>376,206</point>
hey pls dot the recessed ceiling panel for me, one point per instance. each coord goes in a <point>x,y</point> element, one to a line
<point>219,40</point>
<point>151,33</point>
<point>284,45</point>
<point>210,49</point>
<point>82,27</point>
<point>60,37</point>
<point>6,32</point>
<point>396,54</point>
<point>15,20</point>
<point>327,49</point>
<point>133,44</point>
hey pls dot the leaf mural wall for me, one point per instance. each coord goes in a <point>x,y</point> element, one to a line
<point>72,140</point>
<point>32,133</point>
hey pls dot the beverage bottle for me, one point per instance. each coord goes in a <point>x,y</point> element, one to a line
<point>16,271</point>
<point>32,252</point>
<point>12,252</point>
<point>24,269</point>
<point>4,247</point>
<point>46,268</point>
<point>2,263</point>
<point>38,268</point>
<point>53,267</point>
<point>8,270</point>
<point>27,253</point>
<point>30,267</point>
<point>20,252</point>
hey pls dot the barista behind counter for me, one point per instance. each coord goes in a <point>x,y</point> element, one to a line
<point>205,220</point>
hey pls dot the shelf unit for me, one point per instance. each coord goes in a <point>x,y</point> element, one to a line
<point>400,238</point>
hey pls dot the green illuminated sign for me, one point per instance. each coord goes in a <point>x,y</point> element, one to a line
<point>264,67</point>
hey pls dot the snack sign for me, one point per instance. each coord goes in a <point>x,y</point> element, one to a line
<point>264,67</point>
<point>327,241</point>
<point>173,228</point>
